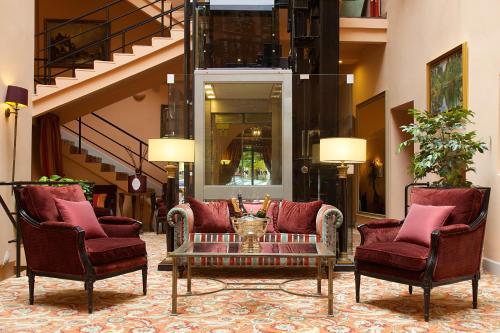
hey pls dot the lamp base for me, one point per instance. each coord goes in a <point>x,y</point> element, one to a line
<point>165,265</point>
<point>342,169</point>
<point>344,263</point>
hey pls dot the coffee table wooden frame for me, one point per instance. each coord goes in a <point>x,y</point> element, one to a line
<point>185,252</point>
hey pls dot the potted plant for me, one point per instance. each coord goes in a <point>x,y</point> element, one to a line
<point>446,148</point>
<point>87,187</point>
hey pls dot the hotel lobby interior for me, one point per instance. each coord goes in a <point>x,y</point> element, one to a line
<point>249,166</point>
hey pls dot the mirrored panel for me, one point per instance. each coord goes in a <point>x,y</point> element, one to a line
<point>243,135</point>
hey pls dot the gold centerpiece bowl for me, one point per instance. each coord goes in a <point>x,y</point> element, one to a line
<point>250,228</point>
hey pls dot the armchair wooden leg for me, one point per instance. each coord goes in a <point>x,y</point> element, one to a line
<point>475,284</point>
<point>410,290</point>
<point>427,301</point>
<point>357,280</point>
<point>90,292</point>
<point>145,280</point>
<point>31,286</point>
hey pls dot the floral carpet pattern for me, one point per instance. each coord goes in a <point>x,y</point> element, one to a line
<point>60,305</point>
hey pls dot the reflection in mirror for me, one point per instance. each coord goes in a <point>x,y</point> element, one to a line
<point>243,134</point>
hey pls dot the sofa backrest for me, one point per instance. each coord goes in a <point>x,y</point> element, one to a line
<point>38,201</point>
<point>467,201</point>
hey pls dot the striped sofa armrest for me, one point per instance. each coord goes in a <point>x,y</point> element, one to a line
<point>328,220</point>
<point>181,218</point>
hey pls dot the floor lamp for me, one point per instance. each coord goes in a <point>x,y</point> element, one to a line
<point>343,151</point>
<point>17,98</point>
<point>171,150</point>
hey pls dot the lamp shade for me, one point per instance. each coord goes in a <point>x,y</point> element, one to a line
<point>171,150</point>
<point>346,150</point>
<point>17,97</point>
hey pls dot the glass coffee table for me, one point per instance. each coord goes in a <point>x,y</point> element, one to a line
<point>188,251</point>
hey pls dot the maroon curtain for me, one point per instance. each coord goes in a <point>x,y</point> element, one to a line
<point>232,153</point>
<point>50,145</point>
<point>267,154</point>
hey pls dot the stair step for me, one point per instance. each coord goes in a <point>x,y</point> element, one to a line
<point>45,89</point>
<point>83,74</point>
<point>140,50</point>
<point>123,58</point>
<point>105,167</point>
<point>102,66</point>
<point>74,150</point>
<point>160,41</point>
<point>68,142</point>
<point>63,82</point>
<point>122,176</point>
<point>93,159</point>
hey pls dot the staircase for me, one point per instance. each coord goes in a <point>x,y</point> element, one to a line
<point>100,147</point>
<point>95,165</point>
<point>72,93</point>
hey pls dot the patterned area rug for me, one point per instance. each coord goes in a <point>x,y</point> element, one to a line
<point>60,306</point>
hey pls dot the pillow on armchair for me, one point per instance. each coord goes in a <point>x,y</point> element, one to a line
<point>421,221</point>
<point>81,214</point>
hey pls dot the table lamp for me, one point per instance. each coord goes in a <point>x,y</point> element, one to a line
<point>17,98</point>
<point>343,151</point>
<point>171,150</point>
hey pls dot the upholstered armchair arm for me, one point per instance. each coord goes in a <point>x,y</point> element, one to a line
<point>375,231</point>
<point>181,218</point>
<point>120,226</point>
<point>328,220</point>
<point>118,220</point>
<point>455,251</point>
<point>55,247</point>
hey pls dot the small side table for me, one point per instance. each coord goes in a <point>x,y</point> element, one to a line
<point>138,204</point>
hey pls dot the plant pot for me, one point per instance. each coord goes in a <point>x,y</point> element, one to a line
<point>351,8</point>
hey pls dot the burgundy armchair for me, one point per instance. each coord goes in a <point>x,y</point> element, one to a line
<point>58,249</point>
<point>454,254</point>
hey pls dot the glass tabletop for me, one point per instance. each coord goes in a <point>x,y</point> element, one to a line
<point>268,249</point>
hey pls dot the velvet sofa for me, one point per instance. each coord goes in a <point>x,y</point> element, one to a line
<point>57,248</point>
<point>327,220</point>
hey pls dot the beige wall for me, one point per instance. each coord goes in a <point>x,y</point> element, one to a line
<point>418,32</point>
<point>16,59</point>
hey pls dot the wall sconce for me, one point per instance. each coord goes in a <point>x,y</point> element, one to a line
<point>225,162</point>
<point>16,98</point>
<point>378,167</point>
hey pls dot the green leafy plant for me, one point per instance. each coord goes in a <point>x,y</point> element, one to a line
<point>87,187</point>
<point>445,147</point>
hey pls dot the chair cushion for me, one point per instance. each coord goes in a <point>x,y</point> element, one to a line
<point>403,255</point>
<point>81,214</point>
<point>298,217</point>
<point>39,200</point>
<point>211,216</point>
<point>421,221</point>
<point>467,202</point>
<point>107,250</point>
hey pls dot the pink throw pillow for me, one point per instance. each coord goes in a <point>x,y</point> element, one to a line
<point>80,214</point>
<point>421,221</point>
<point>211,217</point>
<point>298,217</point>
